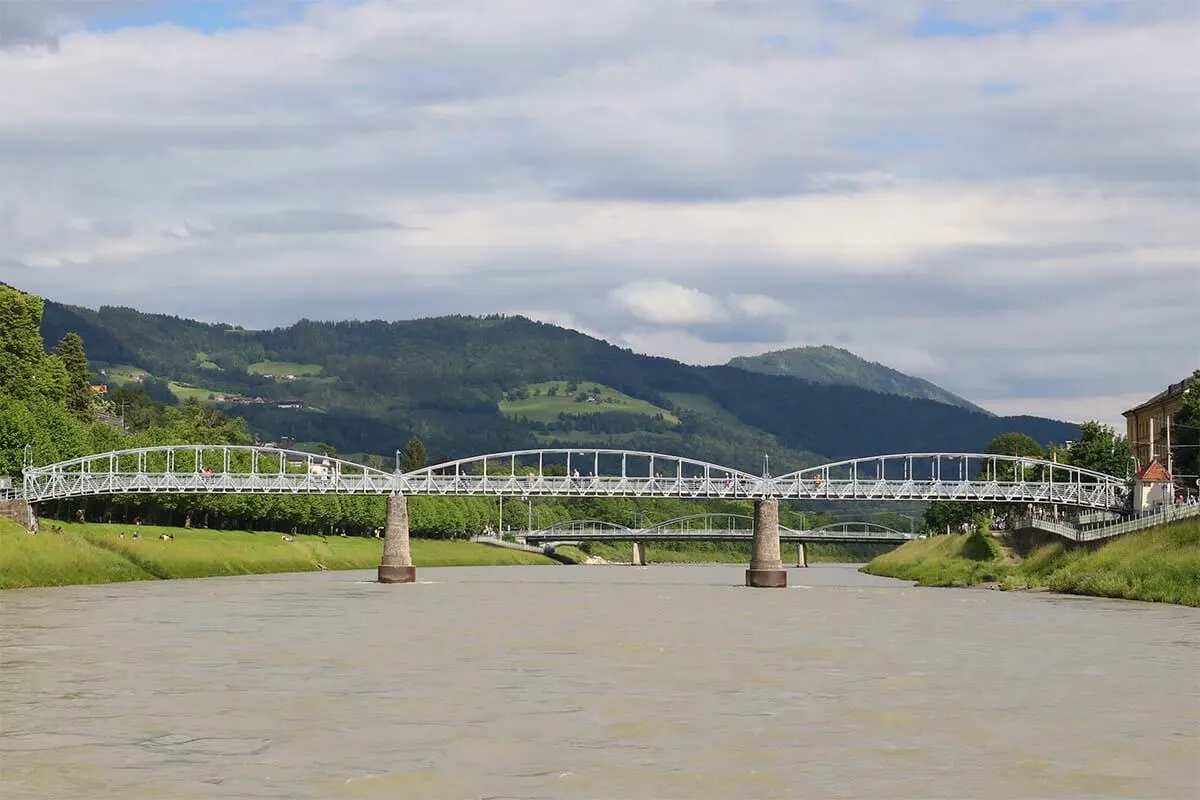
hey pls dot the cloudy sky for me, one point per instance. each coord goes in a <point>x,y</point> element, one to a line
<point>1001,197</point>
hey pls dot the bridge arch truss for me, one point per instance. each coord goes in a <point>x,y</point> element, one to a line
<point>973,477</point>
<point>203,469</point>
<point>576,472</point>
<point>582,472</point>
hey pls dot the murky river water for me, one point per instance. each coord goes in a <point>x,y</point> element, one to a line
<point>592,682</point>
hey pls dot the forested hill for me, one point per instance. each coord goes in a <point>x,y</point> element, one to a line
<point>833,365</point>
<point>469,385</point>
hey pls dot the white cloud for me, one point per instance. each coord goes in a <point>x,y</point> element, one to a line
<point>1013,214</point>
<point>666,303</point>
<point>757,305</point>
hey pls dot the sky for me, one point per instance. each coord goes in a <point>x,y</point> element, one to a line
<point>1003,198</point>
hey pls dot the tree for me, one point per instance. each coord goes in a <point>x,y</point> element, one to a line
<point>1185,433</point>
<point>79,390</point>
<point>21,353</point>
<point>952,514</point>
<point>1100,448</point>
<point>1012,444</point>
<point>414,455</point>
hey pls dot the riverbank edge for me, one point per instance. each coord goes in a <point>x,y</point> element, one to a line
<point>73,554</point>
<point>1160,565</point>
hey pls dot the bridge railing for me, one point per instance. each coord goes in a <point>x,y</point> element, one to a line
<point>1074,532</point>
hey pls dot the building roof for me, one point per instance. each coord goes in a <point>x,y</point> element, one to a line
<point>1154,473</point>
<point>1170,393</point>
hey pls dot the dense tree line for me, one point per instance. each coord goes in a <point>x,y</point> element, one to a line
<point>1185,435</point>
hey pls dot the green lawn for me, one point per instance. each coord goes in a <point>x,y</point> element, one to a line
<point>277,369</point>
<point>97,553</point>
<point>700,404</point>
<point>186,392</point>
<point>51,560</point>
<point>121,374</point>
<point>961,560</point>
<point>204,362</point>
<point>541,406</point>
<point>1159,565</point>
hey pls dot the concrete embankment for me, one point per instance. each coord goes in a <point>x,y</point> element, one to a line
<point>73,553</point>
<point>1159,565</point>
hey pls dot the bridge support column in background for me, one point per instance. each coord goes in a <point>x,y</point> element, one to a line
<point>766,567</point>
<point>397,566</point>
<point>639,554</point>
<point>801,556</point>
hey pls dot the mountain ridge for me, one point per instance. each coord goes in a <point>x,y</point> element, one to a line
<point>367,386</point>
<point>826,364</point>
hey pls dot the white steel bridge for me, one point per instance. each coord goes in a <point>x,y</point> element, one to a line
<point>708,528</point>
<point>230,469</point>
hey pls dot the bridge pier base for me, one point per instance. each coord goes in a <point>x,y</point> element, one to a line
<point>397,566</point>
<point>639,554</point>
<point>801,555</point>
<point>19,512</point>
<point>766,566</point>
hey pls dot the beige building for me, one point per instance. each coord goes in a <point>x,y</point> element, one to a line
<point>1146,426</point>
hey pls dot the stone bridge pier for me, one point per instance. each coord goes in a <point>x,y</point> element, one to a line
<point>766,565</point>
<point>397,566</point>
<point>639,554</point>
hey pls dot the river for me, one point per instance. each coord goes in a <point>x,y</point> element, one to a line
<point>592,682</point>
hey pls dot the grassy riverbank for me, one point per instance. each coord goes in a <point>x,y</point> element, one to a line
<point>1158,565</point>
<point>95,553</point>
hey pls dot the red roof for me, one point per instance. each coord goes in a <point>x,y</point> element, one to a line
<point>1153,472</point>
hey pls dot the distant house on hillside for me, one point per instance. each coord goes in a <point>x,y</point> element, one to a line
<point>1146,425</point>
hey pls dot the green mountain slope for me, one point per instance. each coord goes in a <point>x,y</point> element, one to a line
<point>466,385</point>
<point>835,366</point>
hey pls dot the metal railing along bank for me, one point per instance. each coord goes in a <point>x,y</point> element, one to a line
<point>1075,533</point>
